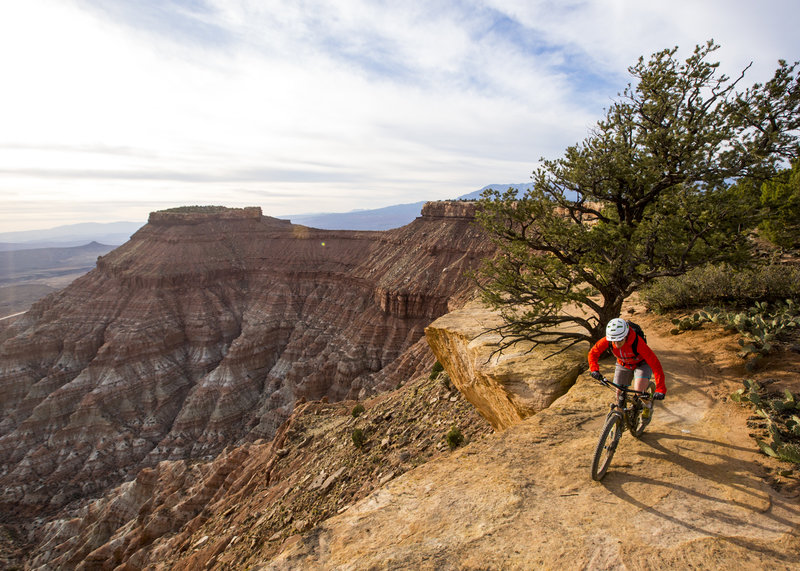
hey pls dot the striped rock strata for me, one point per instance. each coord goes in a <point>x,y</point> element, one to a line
<point>204,330</point>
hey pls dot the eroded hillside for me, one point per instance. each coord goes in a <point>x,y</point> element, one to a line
<point>243,507</point>
<point>202,331</point>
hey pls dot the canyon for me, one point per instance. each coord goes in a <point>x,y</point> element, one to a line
<point>231,391</point>
<point>203,331</point>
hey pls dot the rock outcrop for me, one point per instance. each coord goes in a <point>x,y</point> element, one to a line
<point>204,330</point>
<point>450,209</point>
<point>508,385</point>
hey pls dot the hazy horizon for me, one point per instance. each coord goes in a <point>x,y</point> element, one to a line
<point>115,109</point>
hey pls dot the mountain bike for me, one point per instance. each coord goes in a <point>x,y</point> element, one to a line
<point>633,410</point>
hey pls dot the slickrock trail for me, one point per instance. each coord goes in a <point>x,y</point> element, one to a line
<point>690,494</point>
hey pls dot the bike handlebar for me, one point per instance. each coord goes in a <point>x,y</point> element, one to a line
<point>606,383</point>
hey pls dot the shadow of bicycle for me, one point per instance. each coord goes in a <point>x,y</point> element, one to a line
<point>722,487</point>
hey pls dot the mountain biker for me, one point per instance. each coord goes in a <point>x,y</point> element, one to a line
<point>635,360</point>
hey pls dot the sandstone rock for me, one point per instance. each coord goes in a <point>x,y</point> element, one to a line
<point>329,481</point>
<point>450,209</point>
<point>505,386</point>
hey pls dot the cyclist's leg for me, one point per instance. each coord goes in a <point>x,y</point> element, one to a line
<point>622,376</point>
<point>641,376</point>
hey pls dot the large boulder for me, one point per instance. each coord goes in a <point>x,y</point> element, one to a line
<point>508,385</point>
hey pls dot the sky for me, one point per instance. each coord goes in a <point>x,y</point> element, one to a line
<point>111,109</point>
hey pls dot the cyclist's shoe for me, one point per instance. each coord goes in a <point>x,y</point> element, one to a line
<point>596,375</point>
<point>659,396</point>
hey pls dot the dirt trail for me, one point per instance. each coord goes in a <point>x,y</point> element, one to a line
<point>690,494</point>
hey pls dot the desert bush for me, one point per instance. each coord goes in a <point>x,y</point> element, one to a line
<point>359,438</point>
<point>687,323</point>
<point>761,326</point>
<point>358,410</point>
<point>437,368</point>
<point>723,285</point>
<point>454,438</point>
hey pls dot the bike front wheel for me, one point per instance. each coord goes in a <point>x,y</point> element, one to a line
<point>606,446</point>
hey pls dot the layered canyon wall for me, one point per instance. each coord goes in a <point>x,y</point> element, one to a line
<point>204,330</point>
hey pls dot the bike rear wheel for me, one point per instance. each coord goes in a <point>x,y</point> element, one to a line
<point>606,446</point>
<point>644,416</point>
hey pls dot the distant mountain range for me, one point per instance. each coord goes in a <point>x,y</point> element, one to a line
<point>117,233</point>
<point>111,233</point>
<point>378,219</point>
<point>36,264</point>
<point>382,218</point>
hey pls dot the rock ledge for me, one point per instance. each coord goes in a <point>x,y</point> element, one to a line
<point>506,387</point>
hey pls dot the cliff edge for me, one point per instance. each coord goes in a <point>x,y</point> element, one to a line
<point>692,493</point>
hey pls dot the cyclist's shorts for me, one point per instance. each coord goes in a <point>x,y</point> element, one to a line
<point>623,376</point>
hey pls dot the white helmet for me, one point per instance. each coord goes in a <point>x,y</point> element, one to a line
<point>617,330</point>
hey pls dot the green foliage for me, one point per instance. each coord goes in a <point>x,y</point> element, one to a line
<point>438,372</point>
<point>357,410</point>
<point>454,438</point>
<point>644,196</point>
<point>780,198</point>
<point>687,323</point>
<point>750,387</point>
<point>723,284</point>
<point>761,326</point>
<point>783,430</point>
<point>359,438</point>
<point>777,448</point>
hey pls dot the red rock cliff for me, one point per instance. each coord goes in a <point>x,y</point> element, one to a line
<point>203,330</point>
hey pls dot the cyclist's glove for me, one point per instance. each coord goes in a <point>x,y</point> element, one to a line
<point>597,376</point>
<point>659,396</point>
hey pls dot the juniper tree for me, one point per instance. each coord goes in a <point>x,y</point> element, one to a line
<point>781,199</point>
<point>645,195</point>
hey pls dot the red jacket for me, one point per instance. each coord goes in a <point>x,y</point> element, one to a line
<point>628,359</point>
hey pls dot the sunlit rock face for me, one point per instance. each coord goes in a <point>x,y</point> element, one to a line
<point>203,330</point>
<point>506,385</point>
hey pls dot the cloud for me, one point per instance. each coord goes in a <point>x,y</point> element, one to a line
<point>343,104</point>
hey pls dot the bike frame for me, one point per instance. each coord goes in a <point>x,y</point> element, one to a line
<point>621,407</point>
